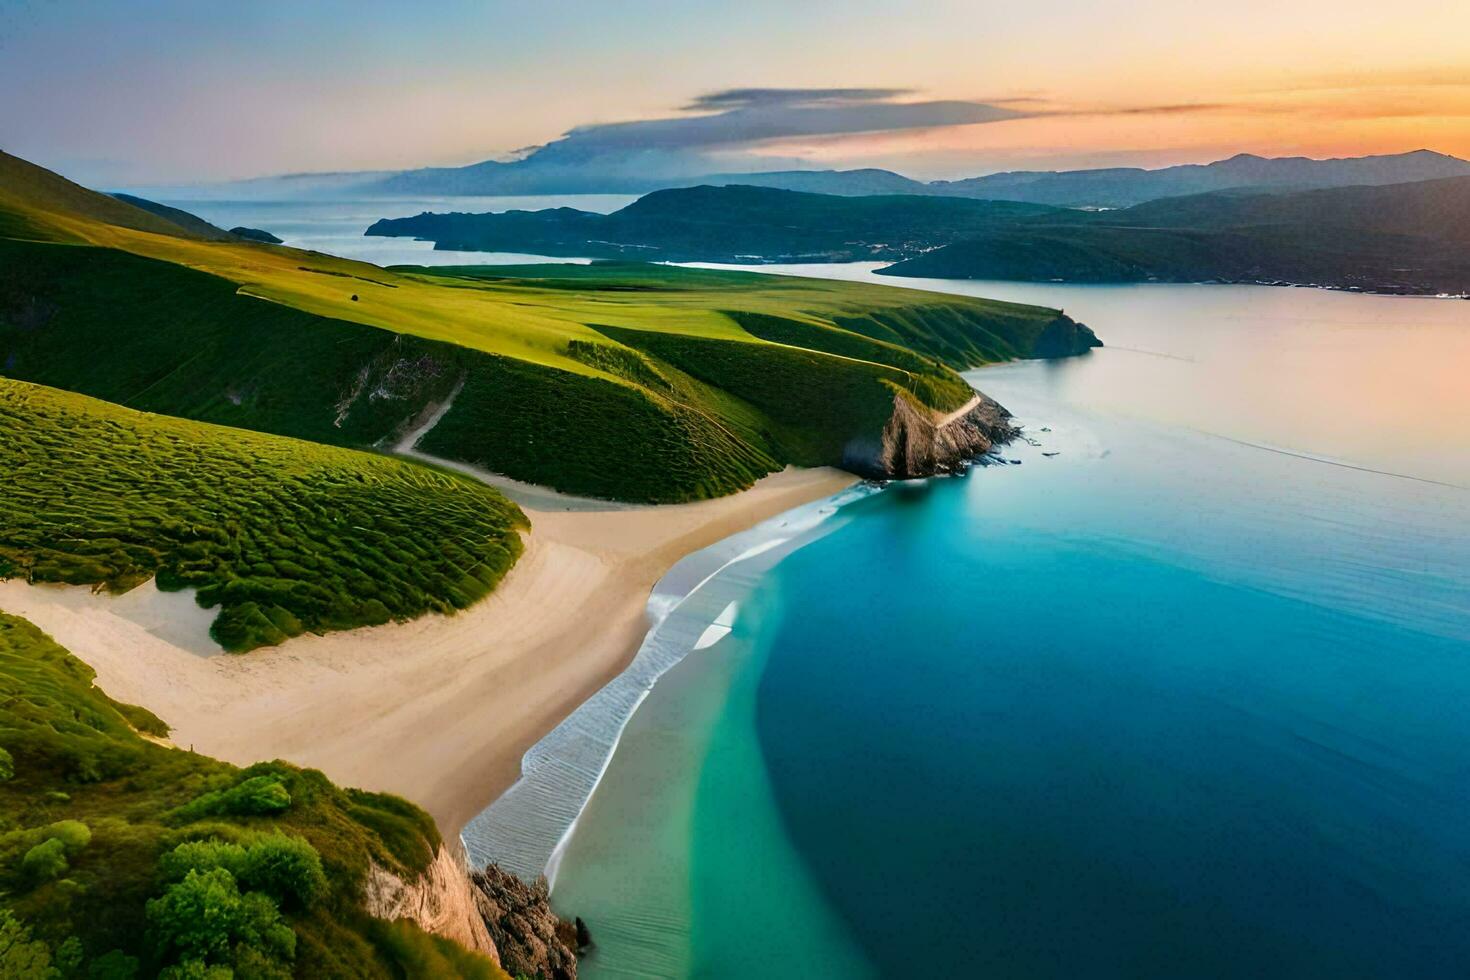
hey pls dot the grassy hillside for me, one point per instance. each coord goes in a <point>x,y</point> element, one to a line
<point>120,857</point>
<point>283,536</point>
<point>191,223</point>
<point>38,204</point>
<point>553,388</point>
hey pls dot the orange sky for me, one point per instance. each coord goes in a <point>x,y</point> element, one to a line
<point>173,89</point>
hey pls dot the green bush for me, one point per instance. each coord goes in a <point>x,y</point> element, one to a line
<point>7,765</point>
<point>22,957</point>
<point>252,796</point>
<point>287,868</point>
<point>204,921</point>
<point>45,861</point>
<point>73,834</point>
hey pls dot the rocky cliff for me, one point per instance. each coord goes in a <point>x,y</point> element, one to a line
<point>441,901</point>
<point>532,940</point>
<point>917,441</point>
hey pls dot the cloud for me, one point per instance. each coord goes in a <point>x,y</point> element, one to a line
<point>739,118</point>
<point>749,98</point>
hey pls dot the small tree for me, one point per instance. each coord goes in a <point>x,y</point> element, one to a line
<point>204,921</point>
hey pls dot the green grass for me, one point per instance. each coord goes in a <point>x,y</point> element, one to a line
<point>568,377</point>
<point>283,536</point>
<point>610,417</point>
<point>108,811</point>
<point>36,203</point>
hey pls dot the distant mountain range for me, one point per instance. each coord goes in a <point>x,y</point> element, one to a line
<point>541,173</point>
<point>1402,238</point>
<point>1124,187</point>
<point>1108,188</point>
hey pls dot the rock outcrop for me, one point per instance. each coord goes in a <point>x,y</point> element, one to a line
<point>532,940</point>
<point>441,901</point>
<point>917,442</point>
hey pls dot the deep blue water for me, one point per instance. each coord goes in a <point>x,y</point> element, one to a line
<point>1183,709</point>
<point>1189,698</point>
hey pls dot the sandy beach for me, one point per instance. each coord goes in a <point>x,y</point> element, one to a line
<point>440,709</point>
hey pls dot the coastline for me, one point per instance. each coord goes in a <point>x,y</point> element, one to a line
<point>441,709</point>
<point>690,608</point>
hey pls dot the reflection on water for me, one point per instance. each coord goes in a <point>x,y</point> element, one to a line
<point>1380,381</point>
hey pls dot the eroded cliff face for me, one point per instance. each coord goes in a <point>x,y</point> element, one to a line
<point>441,901</point>
<point>918,442</point>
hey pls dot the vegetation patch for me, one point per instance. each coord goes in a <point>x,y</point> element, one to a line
<point>135,310</point>
<point>122,858</point>
<point>283,536</point>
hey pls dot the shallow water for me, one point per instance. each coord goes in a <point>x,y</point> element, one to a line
<point>1166,703</point>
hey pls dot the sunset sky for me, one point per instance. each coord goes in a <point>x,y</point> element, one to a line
<point>122,93</point>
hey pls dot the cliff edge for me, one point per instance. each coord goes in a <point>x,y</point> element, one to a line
<point>918,442</point>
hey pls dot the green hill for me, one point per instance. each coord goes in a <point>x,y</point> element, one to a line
<point>558,381</point>
<point>121,857</point>
<point>193,224</point>
<point>38,204</point>
<point>725,224</point>
<point>1400,238</point>
<point>283,536</point>
<point>1392,238</point>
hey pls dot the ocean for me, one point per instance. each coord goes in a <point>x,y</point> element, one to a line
<point>1178,691</point>
<point>1174,688</point>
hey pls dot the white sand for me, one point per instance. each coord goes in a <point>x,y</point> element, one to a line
<point>441,709</point>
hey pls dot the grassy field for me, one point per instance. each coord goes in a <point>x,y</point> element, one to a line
<point>120,857</point>
<point>603,402</point>
<point>283,536</point>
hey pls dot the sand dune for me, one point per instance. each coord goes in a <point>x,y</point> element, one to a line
<point>441,709</point>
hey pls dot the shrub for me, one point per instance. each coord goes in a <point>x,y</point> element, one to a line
<point>254,796</point>
<point>45,861</point>
<point>20,955</point>
<point>204,921</point>
<point>73,834</point>
<point>7,765</point>
<point>287,868</point>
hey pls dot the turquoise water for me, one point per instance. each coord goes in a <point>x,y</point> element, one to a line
<point>1185,699</point>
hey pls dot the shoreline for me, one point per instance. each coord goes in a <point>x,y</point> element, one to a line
<point>441,709</point>
<point>526,828</point>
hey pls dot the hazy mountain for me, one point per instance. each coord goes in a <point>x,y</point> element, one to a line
<point>1123,187</point>
<point>560,169</point>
